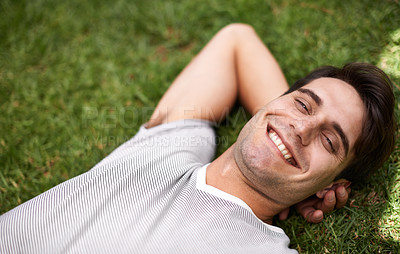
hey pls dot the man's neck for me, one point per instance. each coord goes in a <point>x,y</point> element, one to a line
<point>224,174</point>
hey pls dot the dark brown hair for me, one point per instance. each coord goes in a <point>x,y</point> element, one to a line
<point>376,142</point>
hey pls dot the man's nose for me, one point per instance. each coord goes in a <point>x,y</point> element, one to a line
<point>305,129</point>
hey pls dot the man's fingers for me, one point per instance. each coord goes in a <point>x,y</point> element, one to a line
<point>310,214</point>
<point>284,214</point>
<point>328,204</point>
<point>313,209</point>
<point>316,217</point>
<point>341,196</point>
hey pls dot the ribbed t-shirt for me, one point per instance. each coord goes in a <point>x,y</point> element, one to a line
<point>148,196</point>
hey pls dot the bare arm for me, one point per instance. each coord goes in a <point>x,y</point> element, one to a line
<point>234,64</point>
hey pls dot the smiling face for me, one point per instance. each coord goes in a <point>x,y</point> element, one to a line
<point>297,144</point>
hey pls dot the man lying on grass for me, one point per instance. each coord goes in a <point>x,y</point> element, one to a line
<point>159,193</point>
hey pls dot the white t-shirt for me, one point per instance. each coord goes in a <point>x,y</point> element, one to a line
<point>148,196</point>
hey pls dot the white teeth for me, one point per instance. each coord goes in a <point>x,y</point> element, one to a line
<point>278,142</point>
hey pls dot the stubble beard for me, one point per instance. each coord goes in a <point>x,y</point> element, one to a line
<point>262,178</point>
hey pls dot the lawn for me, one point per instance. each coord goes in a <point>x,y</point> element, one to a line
<point>77,79</point>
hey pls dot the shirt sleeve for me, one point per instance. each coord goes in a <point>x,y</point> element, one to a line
<point>195,138</point>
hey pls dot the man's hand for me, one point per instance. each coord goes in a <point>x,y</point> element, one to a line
<point>314,208</point>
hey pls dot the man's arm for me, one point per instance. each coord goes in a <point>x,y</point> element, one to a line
<point>235,64</point>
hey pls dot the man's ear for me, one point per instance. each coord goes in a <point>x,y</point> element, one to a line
<point>321,193</point>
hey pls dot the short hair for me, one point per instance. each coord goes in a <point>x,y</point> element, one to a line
<point>376,141</point>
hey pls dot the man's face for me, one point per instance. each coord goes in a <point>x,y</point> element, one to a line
<point>297,144</point>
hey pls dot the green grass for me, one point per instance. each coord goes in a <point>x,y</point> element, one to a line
<point>77,78</point>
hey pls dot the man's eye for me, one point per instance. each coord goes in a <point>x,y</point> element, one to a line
<point>330,144</point>
<point>303,107</point>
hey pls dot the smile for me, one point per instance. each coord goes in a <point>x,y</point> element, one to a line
<point>282,148</point>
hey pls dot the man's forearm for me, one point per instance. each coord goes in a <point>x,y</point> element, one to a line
<point>259,77</point>
<point>235,63</point>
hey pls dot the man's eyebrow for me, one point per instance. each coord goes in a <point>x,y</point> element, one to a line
<point>343,137</point>
<point>313,95</point>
